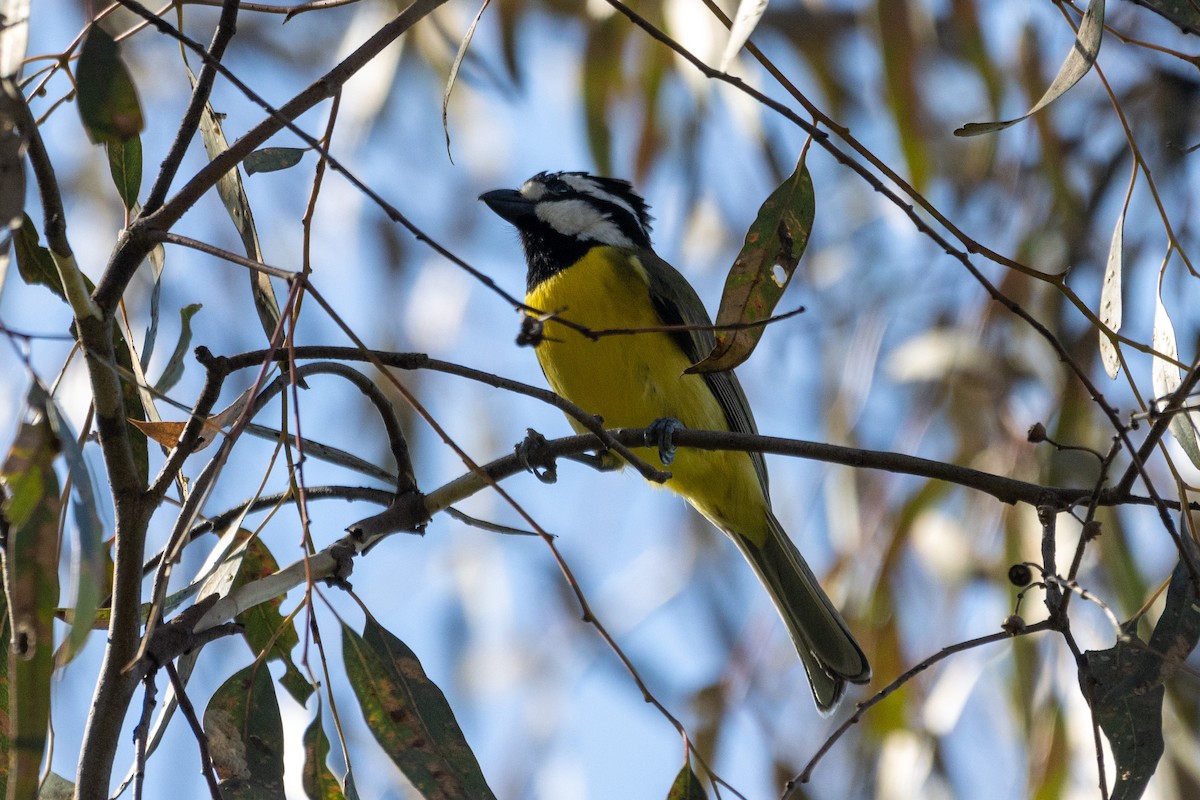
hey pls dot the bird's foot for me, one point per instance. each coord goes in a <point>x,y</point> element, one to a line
<point>530,451</point>
<point>659,434</point>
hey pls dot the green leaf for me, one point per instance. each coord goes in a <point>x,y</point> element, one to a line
<point>687,786</point>
<point>174,369</point>
<point>1178,629</point>
<point>245,736</point>
<point>273,159</point>
<point>108,102</point>
<point>602,81</point>
<point>6,721</point>
<point>319,783</point>
<point>125,166</point>
<point>1130,720</point>
<point>36,266</point>
<point>1078,63</point>
<point>34,262</point>
<point>763,269</point>
<point>233,195</point>
<point>901,52</point>
<point>56,787</point>
<point>30,508</point>
<point>89,559</point>
<point>409,716</point>
<point>1183,13</point>
<point>267,632</point>
<point>1126,683</point>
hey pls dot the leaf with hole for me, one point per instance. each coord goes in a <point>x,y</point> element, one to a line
<point>1110,298</point>
<point>762,270</point>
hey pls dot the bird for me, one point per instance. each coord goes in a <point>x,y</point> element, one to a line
<point>589,259</point>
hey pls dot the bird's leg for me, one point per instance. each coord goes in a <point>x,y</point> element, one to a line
<point>659,434</point>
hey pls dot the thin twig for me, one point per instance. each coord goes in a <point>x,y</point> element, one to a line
<point>883,693</point>
<point>189,713</point>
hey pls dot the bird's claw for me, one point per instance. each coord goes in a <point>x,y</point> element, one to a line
<point>659,434</point>
<point>530,452</point>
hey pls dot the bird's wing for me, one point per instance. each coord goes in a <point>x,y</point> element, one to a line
<point>678,304</point>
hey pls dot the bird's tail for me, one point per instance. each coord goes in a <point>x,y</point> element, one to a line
<point>831,656</point>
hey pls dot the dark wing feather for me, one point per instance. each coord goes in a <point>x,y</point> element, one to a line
<point>678,304</point>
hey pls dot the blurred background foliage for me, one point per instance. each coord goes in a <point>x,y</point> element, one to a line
<point>900,349</point>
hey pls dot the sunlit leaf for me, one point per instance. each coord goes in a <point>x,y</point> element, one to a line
<point>268,633</point>
<point>125,166</point>
<point>762,270</point>
<point>173,371</point>
<point>273,159</point>
<point>454,68</point>
<point>319,783</point>
<point>14,36</point>
<point>409,715</point>
<point>749,12</point>
<point>1110,298</point>
<point>245,736</point>
<point>1164,377</point>
<point>56,787</point>
<point>107,100</point>
<point>30,506</point>
<point>687,786</point>
<point>167,433</point>
<point>1077,64</point>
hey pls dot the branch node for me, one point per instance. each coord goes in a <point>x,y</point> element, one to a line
<point>531,452</point>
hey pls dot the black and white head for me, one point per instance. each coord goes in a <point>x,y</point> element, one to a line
<point>562,215</point>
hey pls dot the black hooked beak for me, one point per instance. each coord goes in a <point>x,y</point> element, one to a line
<point>509,204</point>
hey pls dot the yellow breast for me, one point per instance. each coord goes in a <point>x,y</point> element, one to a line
<point>632,380</point>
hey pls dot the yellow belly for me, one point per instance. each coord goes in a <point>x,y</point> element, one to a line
<point>632,380</point>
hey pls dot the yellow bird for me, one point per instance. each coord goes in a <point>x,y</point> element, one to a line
<point>587,247</point>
